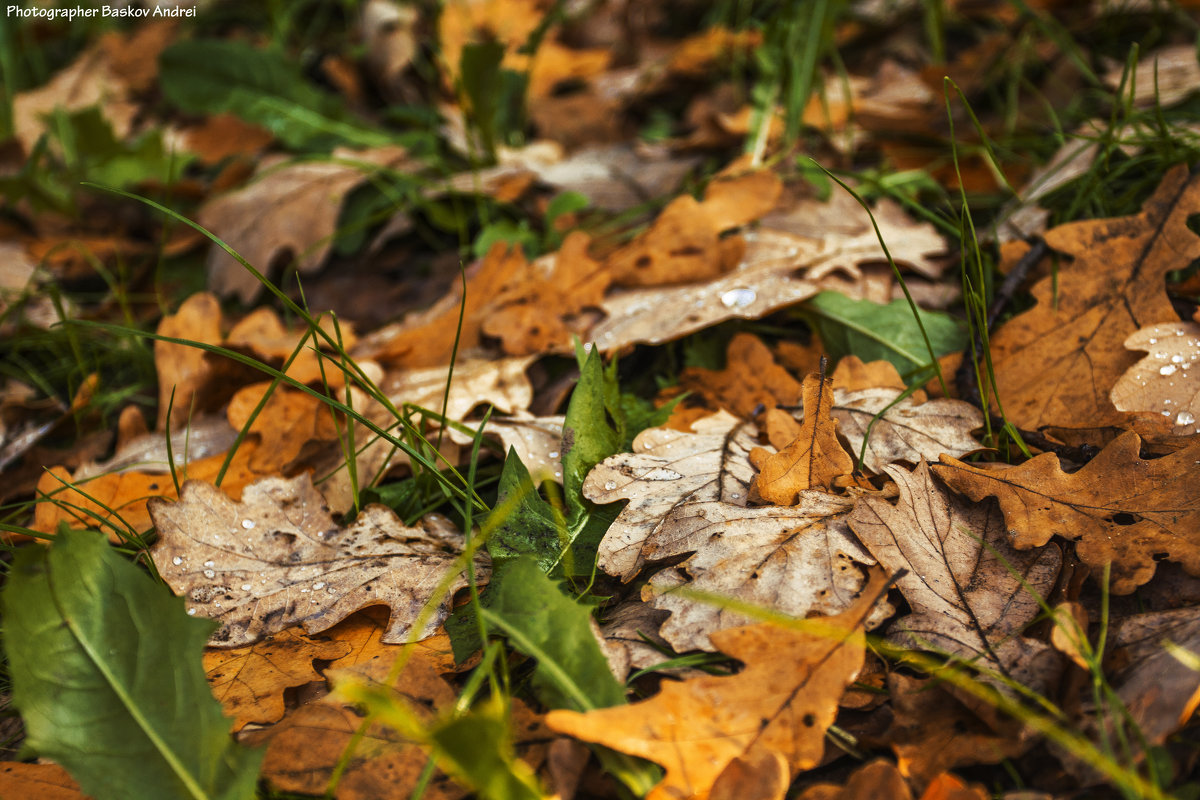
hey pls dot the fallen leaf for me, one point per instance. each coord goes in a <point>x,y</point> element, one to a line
<point>666,469</point>
<point>1163,77</point>
<point>971,594</point>
<point>289,420</point>
<point>801,560</point>
<point>631,638</point>
<point>682,246</point>
<point>1119,508</point>
<point>815,459</point>
<point>1056,363</point>
<point>263,334</point>
<point>250,681</point>
<point>37,782</point>
<point>185,373</point>
<point>277,559</point>
<point>932,732</point>
<point>739,195</point>
<point>751,378</point>
<point>880,780</point>
<point>851,375</point>
<point>289,209</point>
<point>389,33</point>
<point>537,441</point>
<point>761,776</point>
<point>370,657</point>
<point>782,702</point>
<point>1160,382</point>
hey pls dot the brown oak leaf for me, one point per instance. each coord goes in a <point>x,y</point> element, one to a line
<point>38,782</point>
<point>782,702</point>
<point>880,780</point>
<point>751,377</point>
<point>970,592</point>
<point>1167,381</point>
<point>1119,508</point>
<point>814,459</point>
<point>250,681</point>
<point>1056,363</point>
<point>277,559</point>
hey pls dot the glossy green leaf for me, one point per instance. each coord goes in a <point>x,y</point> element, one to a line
<point>107,675</point>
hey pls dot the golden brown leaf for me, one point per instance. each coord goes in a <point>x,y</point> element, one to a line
<point>908,430</point>
<point>250,681</point>
<point>289,419</point>
<point>1118,509</point>
<point>37,782</point>
<point>878,780</point>
<point>815,459</point>
<point>751,378</point>
<point>682,246</point>
<point>1056,363</point>
<point>277,559</point>
<point>1167,381</point>
<point>781,703</point>
<point>184,372</point>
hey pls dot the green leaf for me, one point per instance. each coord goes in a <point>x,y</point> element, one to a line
<point>107,675</point>
<point>872,332</point>
<point>543,622</point>
<point>530,525</point>
<point>263,87</point>
<point>477,749</point>
<point>594,428</point>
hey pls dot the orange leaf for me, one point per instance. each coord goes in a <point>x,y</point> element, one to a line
<point>781,703</point>
<point>37,782</point>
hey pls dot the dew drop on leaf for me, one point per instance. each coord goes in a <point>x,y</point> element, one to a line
<point>1185,418</point>
<point>739,297</point>
<point>247,524</point>
<point>177,560</point>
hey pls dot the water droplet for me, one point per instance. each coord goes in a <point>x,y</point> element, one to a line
<point>610,485</point>
<point>558,473</point>
<point>738,298</point>
<point>1177,359</point>
<point>319,585</point>
<point>177,561</point>
<point>553,454</point>
<point>208,573</point>
<point>247,524</point>
<point>1166,413</point>
<point>1185,418</point>
<point>735,496</point>
<point>320,534</point>
<point>210,563</point>
<point>331,590</point>
<point>1169,369</point>
<point>218,605</point>
<point>245,587</point>
<point>1154,341</point>
<point>191,612</point>
<point>304,591</point>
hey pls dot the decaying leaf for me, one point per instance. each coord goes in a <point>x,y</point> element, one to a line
<point>781,703</point>
<point>289,419</point>
<point>630,634</point>
<point>1056,363</point>
<point>908,431</point>
<point>800,560</point>
<point>814,459</point>
<point>1119,508</point>
<point>250,681</point>
<point>276,559</point>
<point>666,469</point>
<point>970,592</point>
<point>1167,381</point>
<point>292,208</point>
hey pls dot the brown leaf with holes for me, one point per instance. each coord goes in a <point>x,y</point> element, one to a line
<point>682,246</point>
<point>287,210</point>
<point>970,593</point>
<point>1166,382</point>
<point>1056,363</point>
<point>781,703</point>
<point>1118,508</point>
<point>276,559</point>
<point>250,681</point>
<point>814,459</point>
<point>751,378</point>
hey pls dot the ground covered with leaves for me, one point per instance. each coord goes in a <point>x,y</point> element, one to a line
<point>516,399</point>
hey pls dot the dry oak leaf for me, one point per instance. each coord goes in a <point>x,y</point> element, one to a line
<point>262,333</point>
<point>540,314</point>
<point>536,440</point>
<point>292,208</point>
<point>799,560</point>
<point>277,559</point>
<point>880,780</point>
<point>666,469</point>
<point>1056,363</point>
<point>908,431</point>
<point>185,373</point>
<point>37,782</point>
<point>751,378</point>
<point>782,702</point>
<point>1160,691</point>
<point>683,245</point>
<point>250,681</point>
<point>289,419</point>
<point>1118,509</point>
<point>814,459</point>
<point>369,656</point>
<point>739,195</point>
<point>852,374</point>
<point>1167,381</point>
<point>118,500</point>
<point>970,592</point>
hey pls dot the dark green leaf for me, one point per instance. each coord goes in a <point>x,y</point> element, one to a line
<point>529,525</point>
<point>107,675</point>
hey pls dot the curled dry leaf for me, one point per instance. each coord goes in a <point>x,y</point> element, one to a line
<point>666,469</point>
<point>814,459</point>
<point>263,334</point>
<point>277,559</point>
<point>970,592</point>
<point>288,209</point>
<point>1119,508</point>
<point>250,681</point>
<point>1167,381</point>
<point>800,560</point>
<point>782,703</point>
<point>1056,363</point>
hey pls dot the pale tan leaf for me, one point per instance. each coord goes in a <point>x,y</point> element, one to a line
<point>970,592</point>
<point>908,431</point>
<point>276,559</point>
<point>1167,381</point>
<point>668,468</point>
